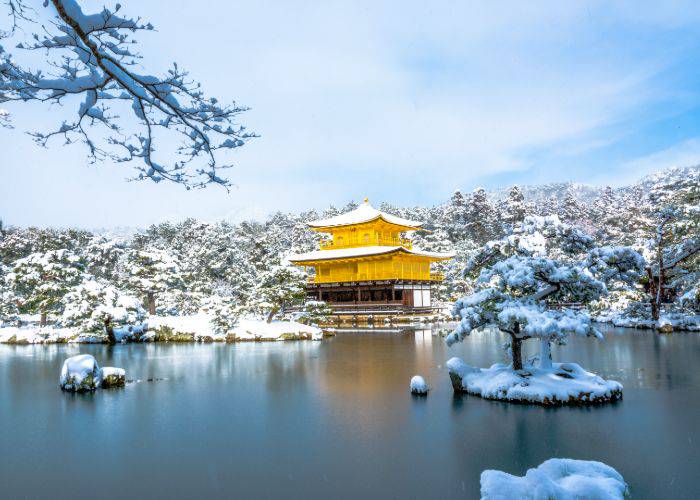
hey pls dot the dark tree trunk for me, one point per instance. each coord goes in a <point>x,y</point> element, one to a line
<point>151,303</point>
<point>654,294</point>
<point>42,319</point>
<point>110,331</point>
<point>516,348</point>
<point>271,315</point>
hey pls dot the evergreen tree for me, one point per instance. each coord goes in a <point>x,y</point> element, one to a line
<point>40,280</point>
<point>480,217</point>
<point>151,272</point>
<point>522,277</point>
<point>515,208</point>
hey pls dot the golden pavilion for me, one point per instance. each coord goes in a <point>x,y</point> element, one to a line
<point>367,263</point>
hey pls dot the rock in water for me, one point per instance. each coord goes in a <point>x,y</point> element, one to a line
<point>666,328</point>
<point>80,374</point>
<point>113,377</point>
<point>418,386</point>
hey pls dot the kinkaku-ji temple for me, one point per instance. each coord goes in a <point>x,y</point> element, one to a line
<point>367,264</point>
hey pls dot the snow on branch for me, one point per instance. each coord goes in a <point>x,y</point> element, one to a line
<point>92,56</point>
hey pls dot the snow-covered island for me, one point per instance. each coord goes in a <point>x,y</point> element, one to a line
<point>560,384</point>
<point>526,283</point>
<point>557,478</point>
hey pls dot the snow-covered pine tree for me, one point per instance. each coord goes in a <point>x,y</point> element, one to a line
<point>97,306</point>
<point>481,224</point>
<point>570,209</point>
<point>150,272</point>
<point>278,287</point>
<point>675,268</point>
<point>455,216</point>
<point>9,311</point>
<point>41,280</point>
<point>525,281</point>
<point>514,207</point>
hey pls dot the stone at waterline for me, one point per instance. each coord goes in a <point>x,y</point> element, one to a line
<point>665,328</point>
<point>80,373</point>
<point>418,386</point>
<point>113,377</point>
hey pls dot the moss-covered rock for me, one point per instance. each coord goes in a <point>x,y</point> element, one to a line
<point>80,373</point>
<point>113,377</point>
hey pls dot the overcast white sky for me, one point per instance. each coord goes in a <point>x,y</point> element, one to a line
<point>399,101</point>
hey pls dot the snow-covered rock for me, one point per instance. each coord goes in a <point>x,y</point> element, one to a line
<point>80,373</point>
<point>563,383</point>
<point>113,377</point>
<point>186,328</point>
<point>418,386</point>
<point>556,479</point>
<point>276,330</point>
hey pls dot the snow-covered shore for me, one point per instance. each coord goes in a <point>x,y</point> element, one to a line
<point>562,384</point>
<point>192,328</point>
<point>669,322</point>
<point>556,478</point>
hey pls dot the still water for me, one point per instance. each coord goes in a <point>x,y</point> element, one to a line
<point>334,419</point>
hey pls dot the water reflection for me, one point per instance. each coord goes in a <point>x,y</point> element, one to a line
<point>335,419</point>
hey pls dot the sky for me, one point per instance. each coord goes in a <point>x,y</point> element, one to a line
<point>401,102</point>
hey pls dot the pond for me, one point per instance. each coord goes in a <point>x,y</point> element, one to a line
<point>334,419</point>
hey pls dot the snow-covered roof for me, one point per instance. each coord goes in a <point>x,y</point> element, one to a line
<point>364,213</point>
<point>349,253</point>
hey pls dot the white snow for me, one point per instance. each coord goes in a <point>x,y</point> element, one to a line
<point>248,329</point>
<point>364,213</point>
<point>340,253</point>
<point>625,319</point>
<point>45,335</point>
<point>110,371</point>
<point>418,385</point>
<point>113,377</point>
<point>563,383</point>
<point>80,373</point>
<point>199,325</point>
<point>556,479</point>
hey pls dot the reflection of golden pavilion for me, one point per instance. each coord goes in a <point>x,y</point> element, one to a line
<point>368,264</point>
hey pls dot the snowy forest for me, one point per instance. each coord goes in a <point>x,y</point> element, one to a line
<point>85,279</point>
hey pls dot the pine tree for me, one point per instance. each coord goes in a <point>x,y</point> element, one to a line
<point>570,210</point>
<point>480,217</point>
<point>151,272</point>
<point>40,280</point>
<point>522,277</point>
<point>515,208</point>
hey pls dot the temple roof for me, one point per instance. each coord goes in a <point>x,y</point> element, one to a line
<point>356,252</point>
<point>364,213</point>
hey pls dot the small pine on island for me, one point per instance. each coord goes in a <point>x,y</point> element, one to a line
<point>369,265</point>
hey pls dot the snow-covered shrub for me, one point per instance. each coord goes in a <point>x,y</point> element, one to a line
<point>178,302</point>
<point>89,305</point>
<point>277,288</point>
<point>113,377</point>
<point>80,373</point>
<point>224,313</point>
<point>314,312</point>
<point>9,312</point>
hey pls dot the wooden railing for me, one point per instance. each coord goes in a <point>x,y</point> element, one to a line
<point>347,277</point>
<point>327,244</point>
